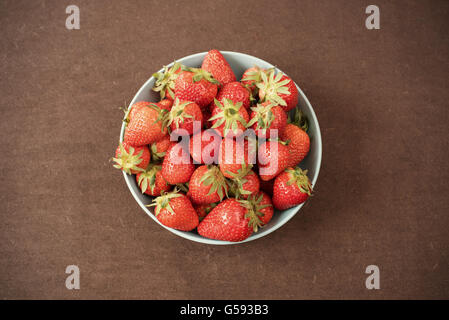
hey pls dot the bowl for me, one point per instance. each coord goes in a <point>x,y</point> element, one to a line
<point>239,62</point>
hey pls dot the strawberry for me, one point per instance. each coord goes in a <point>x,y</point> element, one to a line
<point>196,85</point>
<point>166,104</point>
<point>227,222</point>
<point>182,117</point>
<point>229,119</point>
<point>244,184</point>
<point>134,109</point>
<point>235,220</point>
<point>235,92</point>
<point>298,141</point>
<point>262,204</point>
<point>216,64</point>
<point>177,166</point>
<point>204,147</point>
<point>152,182</point>
<point>174,210</point>
<point>165,81</point>
<point>278,89</point>
<point>207,185</point>
<point>272,159</point>
<point>204,209</point>
<point>267,117</point>
<point>159,148</point>
<point>291,187</point>
<point>251,77</point>
<point>130,159</point>
<point>236,156</point>
<point>146,126</point>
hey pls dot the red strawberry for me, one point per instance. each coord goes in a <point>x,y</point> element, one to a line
<point>227,222</point>
<point>291,187</point>
<point>175,210</point>
<point>298,141</point>
<point>165,81</point>
<point>130,159</point>
<point>262,204</point>
<point>159,148</point>
<point>177,166</point>
<point>204,209</point>
<point>229,119</point>
<point>243,185</point>
<point>235,92</point>
<point>182,117</point>
<point>252,76</point>
<point>272,159</point>
<point>236,156</point>
<point>204,147</point>
<point>152,182</point>
<point>267,117</point>
<point>278,89</point>
<point>135,108</point>
<point>235,220</point>
<point>207,185</point>
<point>216,64</point>
<point>196,85</point>
<point>166,104</point>
<point>146,126</point>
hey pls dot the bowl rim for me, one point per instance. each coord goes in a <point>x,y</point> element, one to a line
<point>261,233</point>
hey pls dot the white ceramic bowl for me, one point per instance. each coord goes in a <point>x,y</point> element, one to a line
<point>239,63</point>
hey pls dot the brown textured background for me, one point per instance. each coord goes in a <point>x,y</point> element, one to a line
<point>381,97</point>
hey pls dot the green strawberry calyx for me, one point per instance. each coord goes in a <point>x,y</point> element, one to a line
<point>155,154</point>
<point>163,201</point>
<point>238,180</point>
<point>148,178</point>
<point>254,210</point>
<point>165,81</point>
<point>184,187</point>
<point>242,172</point>
<point>299,177</point>
<point>162,115</point>
<point>214,178</point>
<point>256,75</point>
<point>127,160</point>
<point>177,114</point>
<point>200,74</point>
<point>264,116</point>
<point>299,119</point>
<point>126,112</point>
<point>228,115</point>
<point>271,86</point>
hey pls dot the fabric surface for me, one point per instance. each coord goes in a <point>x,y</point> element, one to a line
<point>381,97</point>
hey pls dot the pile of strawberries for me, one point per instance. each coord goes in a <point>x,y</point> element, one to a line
<point>219,155</point>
